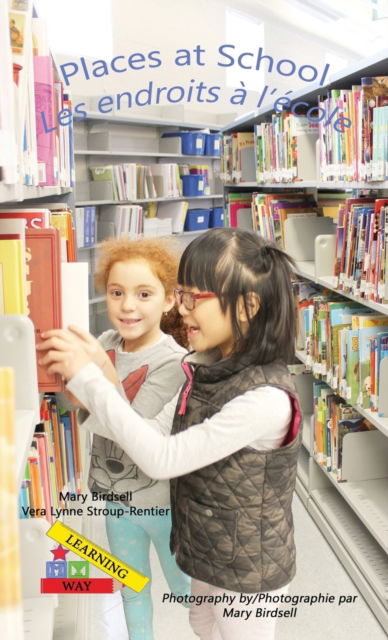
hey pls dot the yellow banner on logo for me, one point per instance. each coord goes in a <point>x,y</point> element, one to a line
<point>98,556</point>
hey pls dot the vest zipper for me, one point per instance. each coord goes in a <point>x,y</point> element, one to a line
<point>187,369</point>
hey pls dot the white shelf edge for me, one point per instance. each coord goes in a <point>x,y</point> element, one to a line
<point>374,492</point>
<point>355,549</point>
<point>145,154</point>
<point>87,203</point>
<point>273,185</point>
<point>314,184</point>
<point>18,193</point>
<point>96,115</point>
<point>307,270</point>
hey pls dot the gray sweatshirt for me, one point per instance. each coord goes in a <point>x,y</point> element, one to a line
<point>150,378</point>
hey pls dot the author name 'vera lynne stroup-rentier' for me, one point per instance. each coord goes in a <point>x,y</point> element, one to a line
<point>118,511</point>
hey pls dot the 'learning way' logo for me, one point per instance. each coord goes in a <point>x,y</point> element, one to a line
<point>72,576</point>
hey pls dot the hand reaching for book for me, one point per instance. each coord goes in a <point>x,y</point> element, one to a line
<point>65,353</point>
<point>96,353</point>
<point>69,351</point>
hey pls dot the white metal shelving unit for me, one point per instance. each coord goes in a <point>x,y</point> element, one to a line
<point>353,515</point>
<point>143,145</point>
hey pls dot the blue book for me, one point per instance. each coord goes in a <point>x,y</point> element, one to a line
<point>87,229</point>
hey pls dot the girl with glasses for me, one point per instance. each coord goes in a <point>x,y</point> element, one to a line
<point>230,438</point>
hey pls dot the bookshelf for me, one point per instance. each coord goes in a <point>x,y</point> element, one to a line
<point>17,350</point>
<point>140,141</point>
<point>36,169</point>
<point>352,515</point>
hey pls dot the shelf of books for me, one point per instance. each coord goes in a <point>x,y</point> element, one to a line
<point>40,281</point>
<point>317,190</point>
<point>142,177</point>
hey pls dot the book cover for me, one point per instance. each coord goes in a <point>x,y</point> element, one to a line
<point>12,262</point>
<point>45,297</point>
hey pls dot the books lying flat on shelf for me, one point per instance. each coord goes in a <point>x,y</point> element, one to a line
<point>176,211</point>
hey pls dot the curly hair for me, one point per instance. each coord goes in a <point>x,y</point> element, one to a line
<point>163,263</point>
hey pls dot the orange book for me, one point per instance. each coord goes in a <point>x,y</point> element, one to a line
<point>45,473</point>
<point>36,484</point>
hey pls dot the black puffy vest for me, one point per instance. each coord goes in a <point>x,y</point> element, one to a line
<point>232,523</point>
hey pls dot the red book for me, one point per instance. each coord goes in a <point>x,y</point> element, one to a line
<point>44,291</point>
<point>35,218</point>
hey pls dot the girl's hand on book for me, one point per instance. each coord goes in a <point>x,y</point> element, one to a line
<point>97,353</point>
<point>64,353</point>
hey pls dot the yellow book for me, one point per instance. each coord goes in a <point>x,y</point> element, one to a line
<point>13,285</point>
<point>58,219</point>
<point>361,321</point>
<point>10,587</point>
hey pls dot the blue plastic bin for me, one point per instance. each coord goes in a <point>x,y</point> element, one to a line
<point>216,218</point>
<point>193,185</point>
<point>193,142</point>
<point>197,219</point>
<point>213,144</point>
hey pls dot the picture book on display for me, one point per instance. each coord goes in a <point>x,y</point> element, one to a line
<point>164,120</point>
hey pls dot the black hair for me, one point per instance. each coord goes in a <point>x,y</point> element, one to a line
<point>231,262</point>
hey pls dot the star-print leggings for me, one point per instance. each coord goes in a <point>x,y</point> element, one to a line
<point>130,539</point>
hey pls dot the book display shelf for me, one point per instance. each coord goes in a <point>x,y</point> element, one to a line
<point>106,141</point>
<point>36,173</point>
<point>351,514</point>
<point>17,351</point>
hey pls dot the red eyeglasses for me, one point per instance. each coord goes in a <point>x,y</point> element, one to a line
<point>188,298</point>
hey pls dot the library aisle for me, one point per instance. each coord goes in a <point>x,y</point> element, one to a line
<point>317,567</point>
